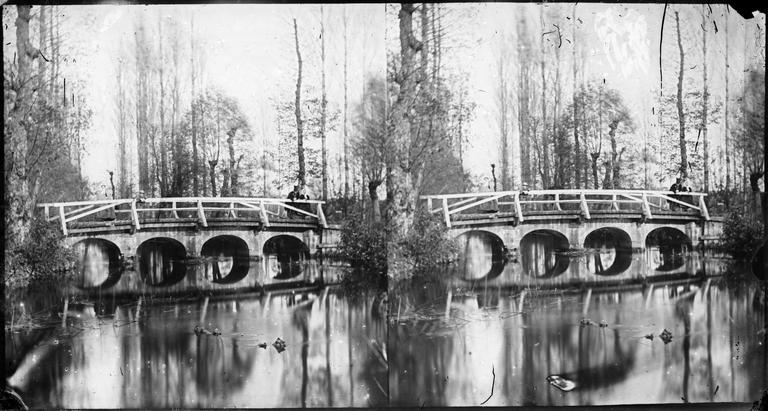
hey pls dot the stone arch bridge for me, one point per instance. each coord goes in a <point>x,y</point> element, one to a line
<point>136,245</point>
<point>633,219</point>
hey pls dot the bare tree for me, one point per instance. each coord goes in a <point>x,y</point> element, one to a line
<point>323,106</point>
<point>705,98</point>
<point>402,207</point>
<point>576,142</point>
<point>680,111</point>
<point>19,213</point>
<point>727,104</point>
<point>297,108</point>
<point>346,109</point>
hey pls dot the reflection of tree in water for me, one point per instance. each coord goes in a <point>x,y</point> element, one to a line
<point>593,357</point>
<point>164,358</point>
<point>421,362</point>
<point>42,388</point>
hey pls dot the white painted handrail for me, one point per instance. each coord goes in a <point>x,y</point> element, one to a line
<point>76,211</point>
<point>522,202</point>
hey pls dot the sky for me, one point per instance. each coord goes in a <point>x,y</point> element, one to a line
<point>249,54</point>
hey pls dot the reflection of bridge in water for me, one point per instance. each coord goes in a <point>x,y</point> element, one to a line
<point>192,244</point>
<point>547,230</point>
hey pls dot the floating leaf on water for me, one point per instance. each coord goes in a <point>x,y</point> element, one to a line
<point>585,322</point>
<point>666,336</point>
<point>561,382</point>
<point>279,345</point>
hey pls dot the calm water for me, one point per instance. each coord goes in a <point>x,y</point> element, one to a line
<point>143,356</point>
<point>462,332</point>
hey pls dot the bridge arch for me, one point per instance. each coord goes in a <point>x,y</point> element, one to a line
<point>612,251</point>
<point>285,255</point>
<point>668,246</point>
<point>482,255</point>
<point>160,261</point>
<point>226,259</point>
<point>541,253</point>
<point>98,263</point>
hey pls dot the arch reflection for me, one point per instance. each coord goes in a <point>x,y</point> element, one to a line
<point>285,257</point>
<point>160,261</point>
<point>482,255</point>
<point>541,253</point>
<point>668,247</point>
<point>98,265</point>
<point>612,251</point>
<point>226,259</point>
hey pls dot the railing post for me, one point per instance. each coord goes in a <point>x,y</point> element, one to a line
<point>175,214</point>
<point>232,210</point>
<point>201,213</point>
<point>263,214</point>
<point>584,207</point>
<point>445,213</point>
<point>429,204</point>
<point>518,208</point>
<point>47,213</point>
<point>646,207</point>
<point>63,220</point>
<point>135,215</point>
<point>557,202</point>
<point>614,204</point>
<point>321,215</point>
<point>703,206</point>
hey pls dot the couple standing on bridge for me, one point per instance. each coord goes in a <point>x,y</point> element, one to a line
<point>679,186</point>
<point>298,193</point>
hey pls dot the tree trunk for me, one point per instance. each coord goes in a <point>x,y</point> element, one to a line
<point>232,172</point>
<point>373,185</point>
<point>545,183</point>
<point>346,142</point>
<point>503,104</point>
<point>576,143</point>
<point>612,175</point>
<point>559,168</point>
<point>727,132</point>
<point>163,143</point>
<point>680,112</point>
<point>705,108</point>
<point>323,105</point>
<point>402,208</point>
<point>212,164</point>
<point>595,180</point>
<point>299,123</point>
<point>607,176</point>
<point>195,160</point>
<point>19,212</point>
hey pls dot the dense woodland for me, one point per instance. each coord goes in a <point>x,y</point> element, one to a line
<point>404,130</point>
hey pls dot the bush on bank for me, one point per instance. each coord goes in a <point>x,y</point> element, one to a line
<point>42,264</point>
<point>742,234</point>
<point>428,244</point>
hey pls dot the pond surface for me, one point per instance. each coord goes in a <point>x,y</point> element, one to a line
<point>149,356</point>
<point>460,337</point>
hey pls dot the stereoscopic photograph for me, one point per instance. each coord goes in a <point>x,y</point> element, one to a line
<point>233,205</point>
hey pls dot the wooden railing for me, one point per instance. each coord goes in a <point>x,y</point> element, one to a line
<point>520,204</point>
<point>182,208</point>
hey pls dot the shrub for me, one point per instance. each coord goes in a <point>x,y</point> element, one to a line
<point>742,234</point>
<point>363,242</point>
<point>42,263</point>
<point>428,243</point>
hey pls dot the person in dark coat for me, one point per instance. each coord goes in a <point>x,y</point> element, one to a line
<point>293,196</point>
<point>678,186</point>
